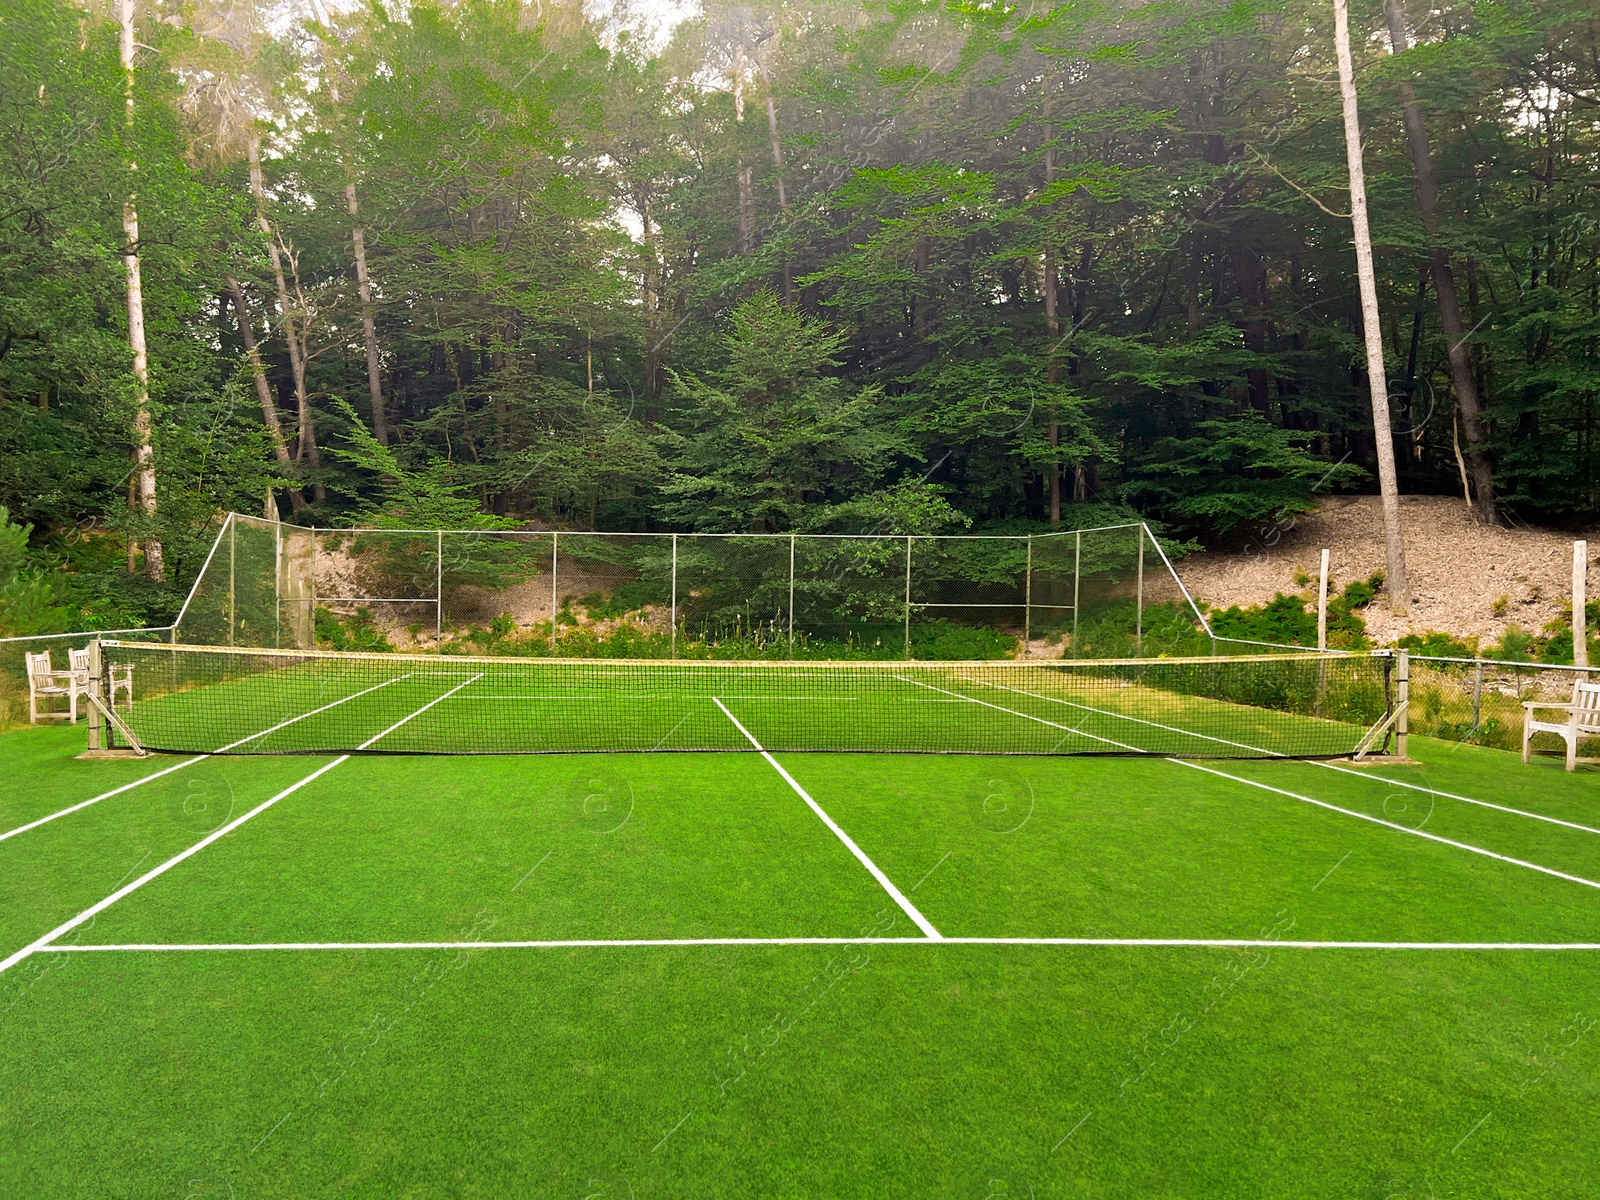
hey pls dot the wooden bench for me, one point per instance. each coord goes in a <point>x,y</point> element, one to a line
<point>1582,720</point>
<point>46,685</point>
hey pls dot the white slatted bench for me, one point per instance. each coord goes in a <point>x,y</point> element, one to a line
<point>1582,720</point>
<point>46,685</point>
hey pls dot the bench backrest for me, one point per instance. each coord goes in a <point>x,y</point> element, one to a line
<point>1586,703</point>
<point>38,664</point>
<point>80,659</point>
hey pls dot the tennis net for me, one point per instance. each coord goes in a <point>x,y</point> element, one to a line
<point>219,700</point>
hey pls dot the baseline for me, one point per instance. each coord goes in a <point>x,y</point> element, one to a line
<point>884,881</point>
<point>598,943</point>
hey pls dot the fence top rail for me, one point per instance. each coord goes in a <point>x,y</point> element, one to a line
<point>88,633</point>
<point>1502,662</point>
<point>880,537</point>
<point>763,664</point>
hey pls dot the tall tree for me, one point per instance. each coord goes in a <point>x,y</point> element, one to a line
<point>1396,582</point>
<point>1459,353</point>
<point>143,420</point>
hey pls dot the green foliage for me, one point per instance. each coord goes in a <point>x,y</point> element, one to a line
<point>27,598</point>
<point>335,632</point>
<point>1437,645</point>
<point>963,298</point>
<point>1292,620</point>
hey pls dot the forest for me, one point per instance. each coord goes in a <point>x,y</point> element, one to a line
<point>917,267</point>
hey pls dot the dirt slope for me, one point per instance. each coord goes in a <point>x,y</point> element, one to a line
<point>1459,569</point>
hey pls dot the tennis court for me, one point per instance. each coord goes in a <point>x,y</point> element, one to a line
<point>1082,965</point>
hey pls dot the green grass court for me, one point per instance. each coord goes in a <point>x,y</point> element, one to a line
<point>957,975</point>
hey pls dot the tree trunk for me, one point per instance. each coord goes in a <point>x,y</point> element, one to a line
<point>143,422</point>
<point>1462,378</point>
<point>1052,328</point>
<point>1250,276</point>
<point>747,190</point>
<point>783,195</point>
<point>1395,582</point>
<point>306,440</point>
<point>258,374</point>
<point>652,318</point>
<point>369,328</point>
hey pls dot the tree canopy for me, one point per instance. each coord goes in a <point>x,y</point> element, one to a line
<point>904,267</point>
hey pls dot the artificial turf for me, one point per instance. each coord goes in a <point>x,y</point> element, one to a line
<point>799,1070</point>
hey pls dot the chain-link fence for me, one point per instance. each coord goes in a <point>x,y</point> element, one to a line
<point>1093,593</point>
<point>1481,701</point>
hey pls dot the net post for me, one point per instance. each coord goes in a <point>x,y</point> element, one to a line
<point>555,542</point>
<point>96,665</point>
<point>1138,614</point>
<point>674,610</point>
<point>233,537</point>
<point>438,591</point>
<point>1027,599</point>
<point>1402,680</point>
<point>1077,560</point>
<point>908,598</point>
<point>791,594</point>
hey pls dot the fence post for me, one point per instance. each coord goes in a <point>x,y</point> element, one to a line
<point>1322,603</point>
<point>1027,599</point>
<point>674,610</point>
<point>277,584</point>
<point>791,595</point>
<point>555,543</point>
<point>1580,600</point>
<point>312,579</point>
<point>908,597</point>
<point>233,614</point>
<point>438,592</point>
<point>1138,615</point>
<point>1402,679</point>
<point>1077,559</point>
<point>1477,693</point>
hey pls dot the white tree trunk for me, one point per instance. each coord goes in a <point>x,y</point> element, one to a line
<point>1395,582</point>
<point>143,451</point>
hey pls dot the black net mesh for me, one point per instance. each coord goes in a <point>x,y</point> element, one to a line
<point>217,700</point>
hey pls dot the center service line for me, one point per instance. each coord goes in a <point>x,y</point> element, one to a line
<point>899,898</point>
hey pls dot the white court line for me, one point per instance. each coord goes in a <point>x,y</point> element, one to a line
<point>658,695</point>
<point>627,943</point>
<point>1421,833</point>
<point>1416,787</point>
<point>1349,812</point>
<point>96,799</point>
<point>190,762</point>
<point>906,906</point>
<point>95,909</point>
